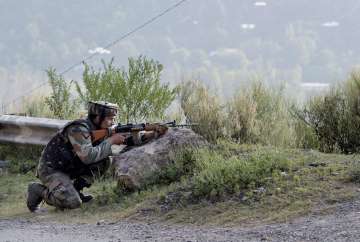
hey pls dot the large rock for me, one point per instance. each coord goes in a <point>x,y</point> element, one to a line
<point>135,165</point>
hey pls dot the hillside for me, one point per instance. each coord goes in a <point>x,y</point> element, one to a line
<point>290,42</point>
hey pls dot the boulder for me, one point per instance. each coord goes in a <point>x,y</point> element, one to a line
<point>132,167</point>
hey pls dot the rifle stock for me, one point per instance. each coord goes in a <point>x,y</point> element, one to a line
<point>99,134</point>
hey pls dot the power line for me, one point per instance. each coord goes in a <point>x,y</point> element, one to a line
<point>108,46</point>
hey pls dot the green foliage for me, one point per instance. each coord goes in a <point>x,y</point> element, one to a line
<point>305,136</point>
<point>98,84</point>
<point>334,117</point>
<point>203,108</point>
<point>60,102</point>
<point>182,166</point>
<point>34,107</point>
<point>22,158</point>
<point>256,114</point>
<point>137,91</point>
<point>218,175</point>
<point>224,170</point>
<point>260,115</point>
<point>106,192</point>
<point>354,172</point>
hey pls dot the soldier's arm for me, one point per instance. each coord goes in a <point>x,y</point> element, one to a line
<point>80,138</point>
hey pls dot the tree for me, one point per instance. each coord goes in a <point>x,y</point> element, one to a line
<point>137,91</point>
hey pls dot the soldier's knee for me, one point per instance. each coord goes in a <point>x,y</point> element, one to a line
<point>72,203</point>
<point>65,197</point>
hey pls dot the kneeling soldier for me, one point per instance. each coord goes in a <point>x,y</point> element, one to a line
<point>70,161</point>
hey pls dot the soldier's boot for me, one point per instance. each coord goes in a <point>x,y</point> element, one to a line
<point>79,184</point>
<point>85,198</point>
<point>35,195</point>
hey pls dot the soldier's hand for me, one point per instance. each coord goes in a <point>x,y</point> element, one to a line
<point>117,139</point>
<point>161,130</point>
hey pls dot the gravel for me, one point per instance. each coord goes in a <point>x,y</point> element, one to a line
<point>342,225</point>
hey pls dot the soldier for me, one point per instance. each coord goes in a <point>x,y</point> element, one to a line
<point>70,161</point>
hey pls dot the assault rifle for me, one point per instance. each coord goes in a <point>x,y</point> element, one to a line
<point>134,128</point>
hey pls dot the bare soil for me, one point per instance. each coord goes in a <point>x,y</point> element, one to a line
<point>340,223</point>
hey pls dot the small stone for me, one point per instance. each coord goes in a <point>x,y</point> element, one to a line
<point>100,222</point>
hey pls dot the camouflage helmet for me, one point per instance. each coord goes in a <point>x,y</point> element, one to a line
<point>102,108</point>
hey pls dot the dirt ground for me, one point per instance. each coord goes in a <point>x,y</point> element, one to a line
<point>342,223</point>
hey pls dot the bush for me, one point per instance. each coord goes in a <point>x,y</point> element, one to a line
<point>335,118</point>
<point>224,170</point>
<point>60,102</point>
<point>260,115</point>
<point>137,91</point>
<point>217,175</point>
<point>33,106</point>
<point>354,172</point>
<point>182,167</point>
<point>203,108</point>
<point>305,137</point>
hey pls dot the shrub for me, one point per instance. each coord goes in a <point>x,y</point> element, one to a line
<point>137,91</point>
<point>33,106</point>
<point>260,115</point>
<point>219,176</point>
<point>334,117</point>
<point>224,170</point>
<point>182,166</point>
<point>203,108</point>
<point>60,102</point>
<point>354,172</point>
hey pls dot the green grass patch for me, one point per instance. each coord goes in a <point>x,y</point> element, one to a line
<point>229,184</point>
<point>21,158</point>
<point>13,194</point>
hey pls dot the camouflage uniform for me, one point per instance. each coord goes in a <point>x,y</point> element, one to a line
<point>63,182</point>
<point>71,161</point>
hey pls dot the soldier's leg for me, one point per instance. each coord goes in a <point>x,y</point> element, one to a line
<point>60,191</point>
<point>35,194</point>
<point>95,171</point>
<point>79,184</point>
<point>87,179</point>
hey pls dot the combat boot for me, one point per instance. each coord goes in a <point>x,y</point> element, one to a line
<point>79,184</point>
<point>85,198</point>
<point>35,195</point>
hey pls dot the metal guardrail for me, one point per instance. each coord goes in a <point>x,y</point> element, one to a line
<point>28,130</point>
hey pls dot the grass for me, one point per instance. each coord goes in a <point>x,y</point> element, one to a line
<point>12,194</point>
<point>22,158</point>
<point>299,182</point>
